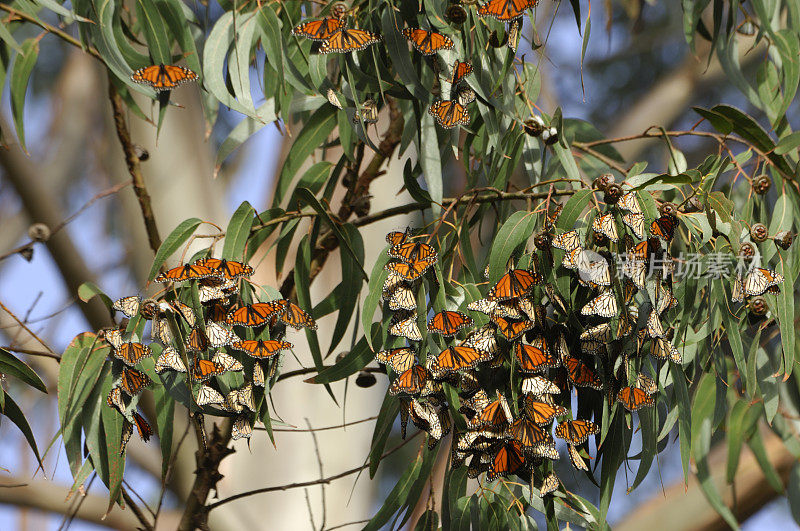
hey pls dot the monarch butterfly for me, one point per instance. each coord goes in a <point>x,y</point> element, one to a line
<point>469,382</point>
<point>514,284</point>
<point>449,113</point>
<point>636,271</point>
<point>402,298</point>
<point>514,29</point>
<point>163,77</point>
<point>605,225</point>
<point>549,484</point>
<point>629,202</point>
<point>129,306</point>
<point>258,375</point>
<point>214,288</point>
<point>132,353</point>
<point>113,336</point>
<point>482,339</point>
<point>144,429</point>
<point>496,414</point>
<point>114,399</point>
<point>534,359</point>
<point>576,432</point>
<point>169,359</point>
<point>737,294</point>
<point>604,305</point>
<point>409,271</point>
<point>575,457</point>
<point>567,241</point>
<point>207,395</point>
<point>511,330</point>
<point>460,71</point>
<point>572,258</point>
<point>333,99</point>
<point>396,237</point>
<point>230,270</point>
<point>760,280</point>
<point>528,433</point>
<point>508,460</point>
<point>664,227</point>
<point>228,362</point>
<point>412,252</point>
<point>410,382</point>
<point>506,9</point>
<point>219,336</point>
<point>202,370</point>
<point>641,251</point>
<point>185,272</point>
<point>581,374</point>
<point>541,411</point>
<point>125,436</point>
<point>197,341</point>
<point>254,314</point>
<point>654,327</point>
<point>665,299</point>
<point>489,307</point>
<point>478,465</point>
<point>241,428</point>
<point>295,317</point>
<point>460,357</point>
<point>601,332</point>
<point>241,398</point>
<point>217,313</point>
<point>404,324</point>
<point>399,359</point>
<point>635,222</point>
<point>646,384</point>
<point>427,42</point>
<point>317,30</point>
<point>634,398</point>
<point>345,40</point>
<point>538,386</point>
<point>663,349</point>
<point>133,381</point>
<point>591,346</point>
<point>475,403</point>
<point>368,112</point>
<point>448,323</point>
<point>261,348</point>
<point>464,95</point>
<point>594,269</point>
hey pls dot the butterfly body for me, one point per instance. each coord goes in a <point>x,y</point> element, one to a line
<point>163,77</point>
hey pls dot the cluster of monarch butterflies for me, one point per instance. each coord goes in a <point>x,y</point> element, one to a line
<point>222,336</point>
<point>334,35</point>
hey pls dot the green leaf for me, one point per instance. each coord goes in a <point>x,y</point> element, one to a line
<point>514,232</point>
<point>180,20</point>
<point>155,32</point>
<point>430,161</point>
<point>383,427</point>
<point>348,292</point>
<point>238,231</point>
<point>18,86</point>
<point>316,130</point>
<point>165,419</point>
<point>355,360</point>
<point>89,290</point>
<point>10,365</point>
<point>613,448</point>
<point>684,416</point>
<point>398,496</point>
<point>15,415</point>
<point>788,143</point>
<point>6,37</point>
<point>735,437</point>
<point>759,450</point>
<point>215,56</point>
<point>793,492</point>
<point>176,238</point>
<point>305,195</point>
<point>721,205</point>
<point>573,209</point>
<point>374,292</point>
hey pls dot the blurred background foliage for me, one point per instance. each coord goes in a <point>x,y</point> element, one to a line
<point>259,128</point>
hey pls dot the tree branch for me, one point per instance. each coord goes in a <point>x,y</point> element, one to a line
<point>132,160</point>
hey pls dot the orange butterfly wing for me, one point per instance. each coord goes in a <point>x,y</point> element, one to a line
<point>448,323</point>
<point>411,271</point>
<point>318,30</point>
<point>295,317</point>
<point>349,40</point>
<point>505,9</point>
<point>664,227</point>
<point>262,349</point>
<point>511,330</point>
<point>576,432</point>
<point>163,77</point>
<point>634,398</point>
<point>581,375</point>
<point>449,114</point>
<point>528,433</point>
<point>427,42</point>
<point>514,284</point>
<point>413,252</point>
<point>460,357</point>
<point>132,353</point>
<point>185,272</point>
<point>144,429</point>
<point>509,459</point>
<point>410,382</point>
<point>253,314</point>
<point>534,359</point>
<point>460,71</point>
<point>229,269</point>
<point>205,369</point>
<point>133,381</point>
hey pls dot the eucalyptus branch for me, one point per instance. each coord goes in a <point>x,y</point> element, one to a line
<point>325,428</point>
<point>307,483</point>
<point>66,37</point>
<point>30,352</point>
<point>132,160</point>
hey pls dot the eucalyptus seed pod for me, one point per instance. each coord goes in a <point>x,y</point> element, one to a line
<point>762,184</point>
<point>784,239</point>
<point>338,10</point>
<point>550,136</point>
<point>693,205</point>
<point>39,232</point>
<point>758,306</point>
<point>456,14</point>
<point>747,250</point>
<point>534,126</point>
<point>759,232</point>
<point>365,379</point>
<point>613,193</point>
<point>668,209</point>
<point>542,240</point>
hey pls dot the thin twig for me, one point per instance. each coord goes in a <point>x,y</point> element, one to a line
<point>132,160</point>
<point>37,338</point>
<point>336,427</point>
<point>306,483</point>
<point>52,29</point>
<point>347,524</point>
<point>136,511</point>
<point>30,352</point>
<point>321,472</point>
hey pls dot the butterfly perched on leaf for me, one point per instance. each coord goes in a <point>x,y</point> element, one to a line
<point>456,358</point>
<point>759,280</point>
<point>635,222</point>
<point>541,410</point>
<point>202,370</point>
<point>460,71</point>
<point>495,414</point>
<point>132,353</point>
<point>664,227</point>
<point>576,432</point>
<point>448,323</point>
<point>506,9</point>
<point>411,252</point>
<point>169,359</point>
<point>427,42</point>
<point>133,381</point>
<point>129,306</point>
<point>528,433</point>
<point>368,112</point>
<point>411,382</point>
<point>664,349</point>
<point>604,305</point>
<point>163,77</point>
<point>228,362</point>
<point>409,271</point>
<point>605,225</point>
<point>508,460</point>
<point>534,359</point>
<point>567,241</point>
<point>207,395</point>
<point>399,359</point>
<point>404,324</point>
<point>185,272</point>
<point>344,40</point>
<point>295,316</point>
<point>449,114</point>
<point>318,30</point>
<point>549,484</point>
<point>228,269</point>
<point>576,459</point>
<point>115,400</point>
<point>634,398</point>
<point>241,428</point>
<point>254,314</point>
<point>261,348</point>
<point>582,375</point>
<point>514,284</point>
<point>144,429</point>
<point>538,386</point>
<point>512,329</point>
